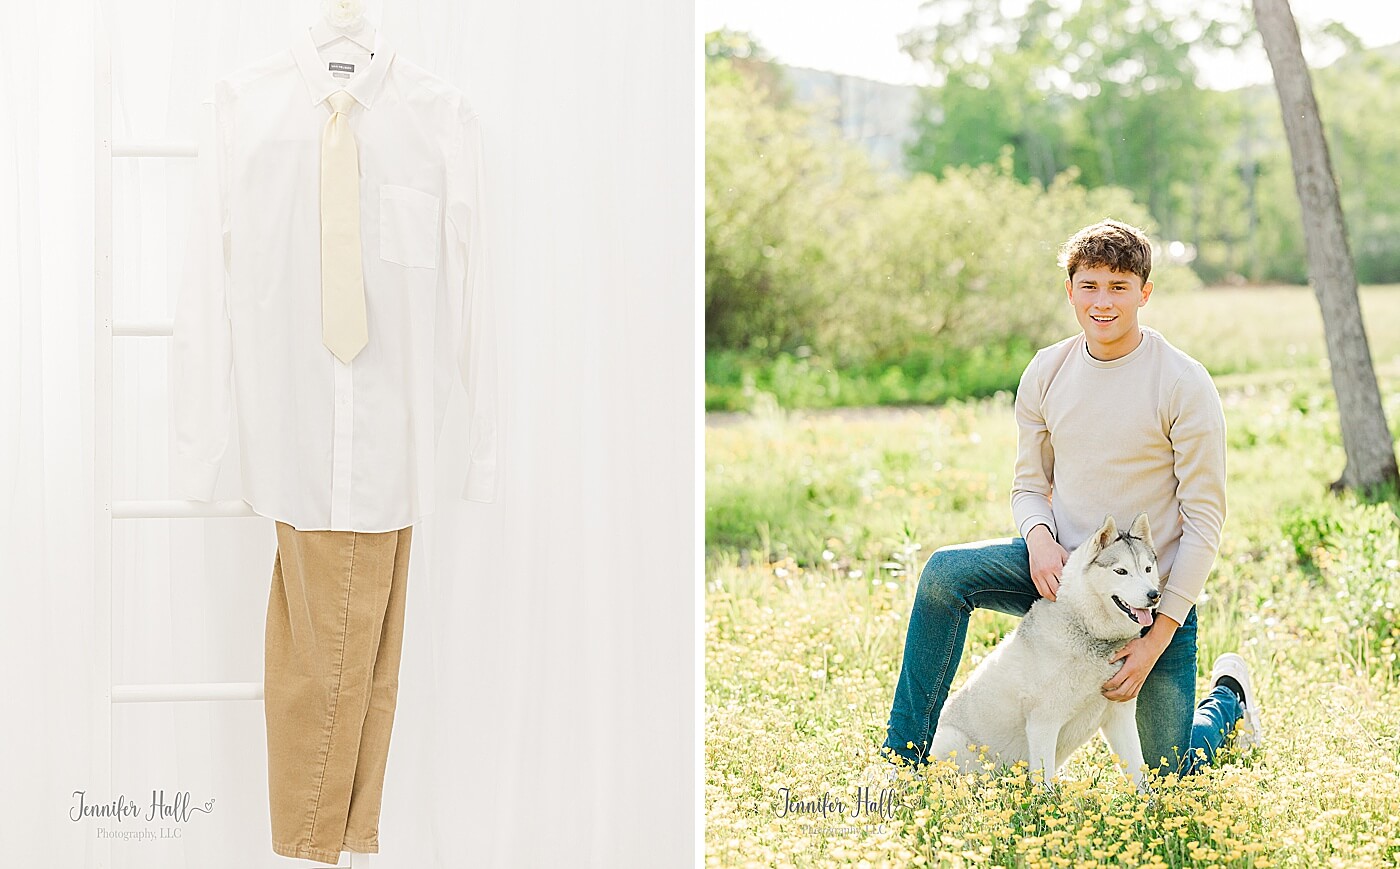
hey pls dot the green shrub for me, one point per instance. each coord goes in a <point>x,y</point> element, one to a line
<point>810,251</point>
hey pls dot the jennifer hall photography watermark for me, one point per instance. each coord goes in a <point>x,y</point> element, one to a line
<point>825,815</point>
<point>165,816</point>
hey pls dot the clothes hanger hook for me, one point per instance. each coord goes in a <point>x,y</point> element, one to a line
<point>344,14</point>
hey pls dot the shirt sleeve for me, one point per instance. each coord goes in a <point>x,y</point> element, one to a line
<point>468,267</point>
<point>1035,457</point>
<point>1198,449</point>
<point>201,351</point>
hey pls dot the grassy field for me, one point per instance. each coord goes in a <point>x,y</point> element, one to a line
<point>818,524</point>
<point>1231,330</point>
<point>1239,330</point>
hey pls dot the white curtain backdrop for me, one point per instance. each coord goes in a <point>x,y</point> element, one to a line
<point>548,691</point>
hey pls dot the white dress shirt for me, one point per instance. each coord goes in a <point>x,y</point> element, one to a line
<point>326,445</point>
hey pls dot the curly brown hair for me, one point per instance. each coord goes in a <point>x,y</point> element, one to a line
<point>1108,244</point>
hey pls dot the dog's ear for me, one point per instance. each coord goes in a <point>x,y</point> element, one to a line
<point>1142,531</point>
<point>1104,536</point>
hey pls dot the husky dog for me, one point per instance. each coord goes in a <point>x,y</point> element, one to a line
<point>1037,697</point>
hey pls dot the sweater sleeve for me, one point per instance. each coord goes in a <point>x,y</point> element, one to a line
<point>1035,457</point>
<point>1198,447</point>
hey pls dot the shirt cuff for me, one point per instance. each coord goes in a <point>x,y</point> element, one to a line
<point>1038,519</point>
<point>481,483</point>
<point>194,479</point>
<point>1175,606</point>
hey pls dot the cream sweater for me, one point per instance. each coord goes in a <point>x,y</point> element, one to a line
<point>1143,432</point>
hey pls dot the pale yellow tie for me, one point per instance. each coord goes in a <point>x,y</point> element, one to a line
<point>343,324</point>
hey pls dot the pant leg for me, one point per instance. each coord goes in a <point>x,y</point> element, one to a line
<point>362,825</point>
<point>326,611</point>
<point>1165,702</point>
<point>955,580</point>
<point>1211,726</point>
<point>1189,739</point>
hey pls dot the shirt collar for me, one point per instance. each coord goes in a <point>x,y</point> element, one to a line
<point>1140,350</point>
<point>320,84</point>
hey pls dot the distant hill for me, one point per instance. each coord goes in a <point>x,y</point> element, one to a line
<point>880,116</point>
<point>876,114</point>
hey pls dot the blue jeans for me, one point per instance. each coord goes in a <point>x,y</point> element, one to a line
<point>995,574</point>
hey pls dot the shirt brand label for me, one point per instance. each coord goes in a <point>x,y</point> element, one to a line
<point>342,67</point>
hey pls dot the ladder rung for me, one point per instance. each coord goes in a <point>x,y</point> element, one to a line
<point>143,328</point>
<point>133,148</point>
<point>179,509</point>
<point>159,693</point>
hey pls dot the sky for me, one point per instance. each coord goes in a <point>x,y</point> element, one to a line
<point>824,34</point>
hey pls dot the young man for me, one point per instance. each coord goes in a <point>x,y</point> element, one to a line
<point>1113,420</point>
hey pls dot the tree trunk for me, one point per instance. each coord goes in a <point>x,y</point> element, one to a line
<point>1370,453</point>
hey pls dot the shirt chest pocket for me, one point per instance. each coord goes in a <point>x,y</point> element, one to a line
<point>408,226</point>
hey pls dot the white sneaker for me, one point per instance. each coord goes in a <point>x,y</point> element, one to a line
<point>1232,665</point>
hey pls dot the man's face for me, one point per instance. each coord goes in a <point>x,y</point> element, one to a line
<point>1106,304</point>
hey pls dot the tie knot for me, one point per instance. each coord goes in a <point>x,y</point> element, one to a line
<point>341,101</point>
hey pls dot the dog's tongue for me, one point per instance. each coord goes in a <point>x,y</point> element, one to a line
<point>1144,617</point>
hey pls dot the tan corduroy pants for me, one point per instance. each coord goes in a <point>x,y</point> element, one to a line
<point>335,620</point>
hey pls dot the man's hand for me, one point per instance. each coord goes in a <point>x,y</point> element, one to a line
<point>1138,658</point>
<point>1047,559</point>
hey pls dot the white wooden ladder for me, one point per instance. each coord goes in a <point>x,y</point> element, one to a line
<point>108,510</point>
